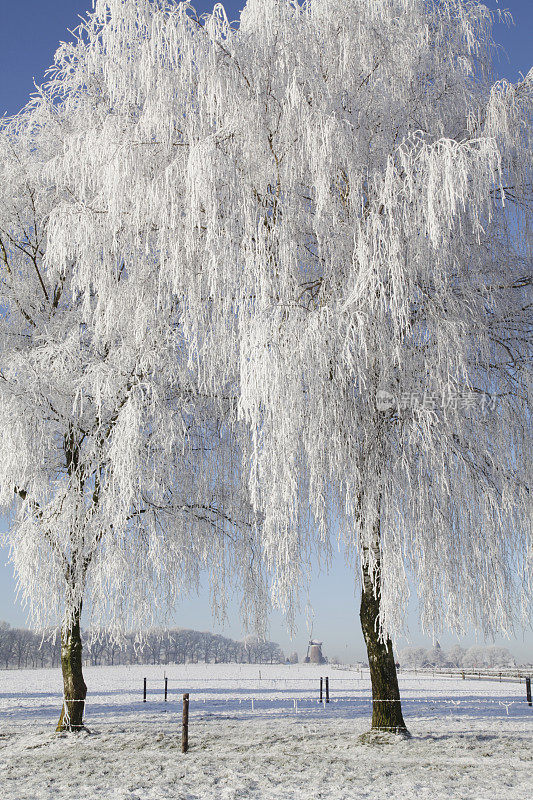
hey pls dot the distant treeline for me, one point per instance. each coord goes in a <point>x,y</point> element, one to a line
<point>22,649</point>
<point>475,657</point>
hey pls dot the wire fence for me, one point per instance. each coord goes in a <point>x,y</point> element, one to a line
<point>324,691</point>
<point>502,675</point>
<point>423,715</point>
<point>242,696</point>
<point>202,706</point>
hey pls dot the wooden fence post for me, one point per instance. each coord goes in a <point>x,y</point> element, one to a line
<point>321,684</point>
<point>528,691</point>
<point>166,688</point>
<point>327,689</point>
<point>185,724</point>
<point>144,691</point>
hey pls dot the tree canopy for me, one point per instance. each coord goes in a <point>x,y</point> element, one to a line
<point>340,198</point>
<point>320,221</point>
<point>121,473</point>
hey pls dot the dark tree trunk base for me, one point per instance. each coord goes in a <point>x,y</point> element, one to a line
<point>387,717</point>
<point>64,727</point>
<point>379,737</point>
<point>75,690</point>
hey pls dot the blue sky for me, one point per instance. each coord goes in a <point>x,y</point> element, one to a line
<point>29,35</point>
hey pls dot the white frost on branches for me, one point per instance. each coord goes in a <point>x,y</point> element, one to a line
<point>339,203</point>
<point>121,472</point>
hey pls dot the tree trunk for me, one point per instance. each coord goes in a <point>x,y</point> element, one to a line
<point>75,690</point>
<point>386,704</point>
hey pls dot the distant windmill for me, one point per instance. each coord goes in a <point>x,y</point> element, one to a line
<point>314,651</point>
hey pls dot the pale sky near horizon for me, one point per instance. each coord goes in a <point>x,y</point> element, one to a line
<point>29,36</point>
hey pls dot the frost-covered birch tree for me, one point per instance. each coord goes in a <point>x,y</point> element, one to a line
<point>383,193</point>
<point>121,474</point>
<point>384,196</point>
<point>340,198</point>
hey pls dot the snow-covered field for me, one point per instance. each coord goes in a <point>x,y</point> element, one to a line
<point>470,739</point>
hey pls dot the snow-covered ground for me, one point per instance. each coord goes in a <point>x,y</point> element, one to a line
<point>470,739</point>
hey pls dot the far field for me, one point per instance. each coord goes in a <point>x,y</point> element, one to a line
<point>470,739</point>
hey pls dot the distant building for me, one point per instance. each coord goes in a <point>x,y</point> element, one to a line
<point>314,653</point>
